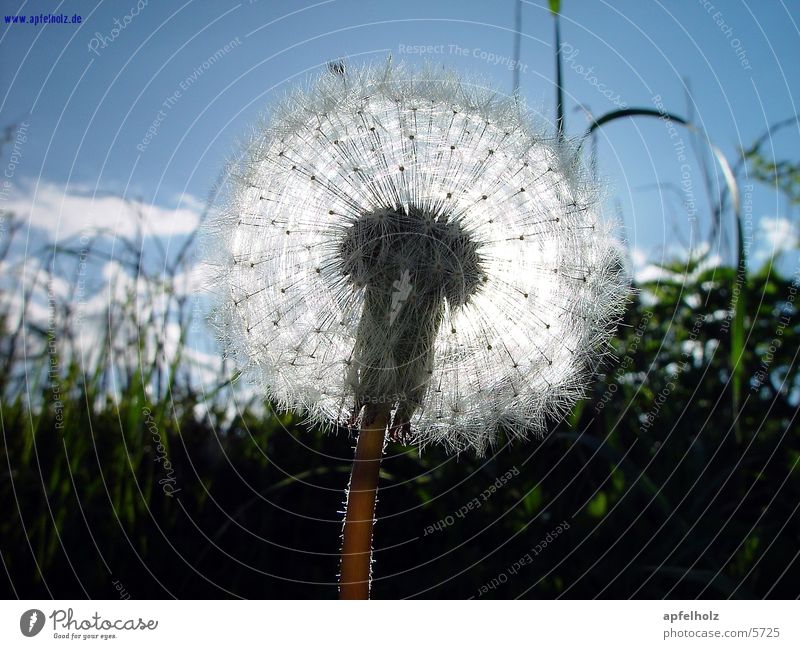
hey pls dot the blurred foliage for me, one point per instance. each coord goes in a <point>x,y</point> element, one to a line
<point>678,507</point>
<point>782,174</point>
<point>764,167</point>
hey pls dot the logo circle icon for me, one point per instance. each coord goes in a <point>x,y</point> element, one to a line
<point>31,622</point>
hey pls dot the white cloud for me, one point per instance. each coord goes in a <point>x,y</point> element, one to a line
<point>775,235</point>
<point>63,213</point>
<point>647,268</point>
<point>642,269</point>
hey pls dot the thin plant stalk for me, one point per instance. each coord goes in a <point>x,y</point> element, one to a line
<point>354,579</point>
<point>517,44</point>
<point>560,125</point>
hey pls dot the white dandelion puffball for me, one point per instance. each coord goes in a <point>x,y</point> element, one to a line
<point>406,240</point>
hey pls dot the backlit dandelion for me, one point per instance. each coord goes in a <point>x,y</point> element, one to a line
<point>403,250</point>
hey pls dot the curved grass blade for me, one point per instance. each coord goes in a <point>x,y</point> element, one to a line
<point>739,288</point>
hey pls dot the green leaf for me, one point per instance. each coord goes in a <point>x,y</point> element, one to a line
<point>598,505</point>
<point>532,501</point>
<point>738,339</point>
<point>555,6</point>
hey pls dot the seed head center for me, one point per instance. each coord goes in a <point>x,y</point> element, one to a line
<point>435,253</point>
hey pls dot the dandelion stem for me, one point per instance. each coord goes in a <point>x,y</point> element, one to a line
<point>354,580</point>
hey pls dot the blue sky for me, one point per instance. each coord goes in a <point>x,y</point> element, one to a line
<point>90,111</point>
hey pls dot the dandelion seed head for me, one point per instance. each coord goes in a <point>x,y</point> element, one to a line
<point>409,239</point>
